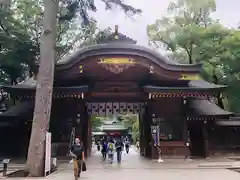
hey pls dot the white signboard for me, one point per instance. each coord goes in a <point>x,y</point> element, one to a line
<point>48,153</point>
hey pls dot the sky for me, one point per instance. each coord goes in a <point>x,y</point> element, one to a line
<point>227,12</point>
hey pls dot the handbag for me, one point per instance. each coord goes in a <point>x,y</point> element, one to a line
<point>84,167</point>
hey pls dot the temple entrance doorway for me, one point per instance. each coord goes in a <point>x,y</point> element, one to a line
<point>119,125</point>
<point>115,117</point>
<point>197,143</point>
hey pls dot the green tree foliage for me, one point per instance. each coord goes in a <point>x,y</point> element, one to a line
<point>96,124</point>
<point>81,7</point>
<point>20,31</point>
<point>131,120</point>
<point>15,48</point>
<point>135,131</point>
<point>179,31</point>
<point>190,35</point>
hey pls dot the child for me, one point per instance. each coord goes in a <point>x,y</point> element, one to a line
<point>110,151</point>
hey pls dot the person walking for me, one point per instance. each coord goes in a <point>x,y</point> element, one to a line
<point>98,145</point>
<point>104,150</point>
<point>137,145</point>
<point>119,147</point>
<point>127,145</point>
<point>110,151</point>
<point>77,151</point>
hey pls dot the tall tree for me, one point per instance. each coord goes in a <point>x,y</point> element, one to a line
<point>179,31</point>
<point>43,100</point>
<point>191,36</point>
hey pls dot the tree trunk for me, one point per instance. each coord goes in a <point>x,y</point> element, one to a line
<point>43,99</point>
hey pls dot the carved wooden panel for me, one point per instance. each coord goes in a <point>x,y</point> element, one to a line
<point>116,65</point>
<point>95,108</point>
<point>102,109</point>
<point>130,108</point>
<point>108,109</point>
<point>123,108</point>
<point>136,108</point>
<point>114,108</point>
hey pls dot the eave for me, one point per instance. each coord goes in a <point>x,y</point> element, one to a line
<point>193,86</point>
<point>232,121</point>
<point>201,84</point>
<point>207,108</point>
<point>29,86</point>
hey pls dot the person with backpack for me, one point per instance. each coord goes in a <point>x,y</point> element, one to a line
<point>127,145</point>
<point>110,151</point>
<point>119,147</point>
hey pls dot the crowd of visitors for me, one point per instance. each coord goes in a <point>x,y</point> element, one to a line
<point>110,145</point>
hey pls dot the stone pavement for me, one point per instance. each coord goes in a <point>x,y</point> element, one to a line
<point>134,166</point>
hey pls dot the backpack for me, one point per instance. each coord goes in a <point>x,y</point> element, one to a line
<point>110,146</point>
<point>119,144</point>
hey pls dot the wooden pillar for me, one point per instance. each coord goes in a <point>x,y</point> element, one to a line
<point>205,136</point>
<point>145,132</point>
<point>185,128</point>
<point>81,124</point>
<point>152,148</point>
<point>89,136</point>
<point>147,137</point>
<point>85,129</point>
<point>141,130</point>
<point>78,128</point>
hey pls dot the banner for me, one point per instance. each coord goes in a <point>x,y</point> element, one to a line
<point>48,153</point>
<point>155,135</point>
<point>72,137</point>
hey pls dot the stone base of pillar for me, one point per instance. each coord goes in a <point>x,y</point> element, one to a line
<point>160,160</point>
<point>188,159</point>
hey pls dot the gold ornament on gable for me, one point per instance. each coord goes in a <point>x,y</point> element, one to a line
<point>116,65</point>
<point>117,61</point>
<point>190,77</point>
<point>81,69</point>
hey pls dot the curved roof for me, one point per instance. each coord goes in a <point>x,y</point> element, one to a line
<point>124,49</point>
<point>206,107</point>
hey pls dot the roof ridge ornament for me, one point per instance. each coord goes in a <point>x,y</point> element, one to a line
<point>114,37</point>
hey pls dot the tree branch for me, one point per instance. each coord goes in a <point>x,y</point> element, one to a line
<point>189,53</point>
<point>4,29</point>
